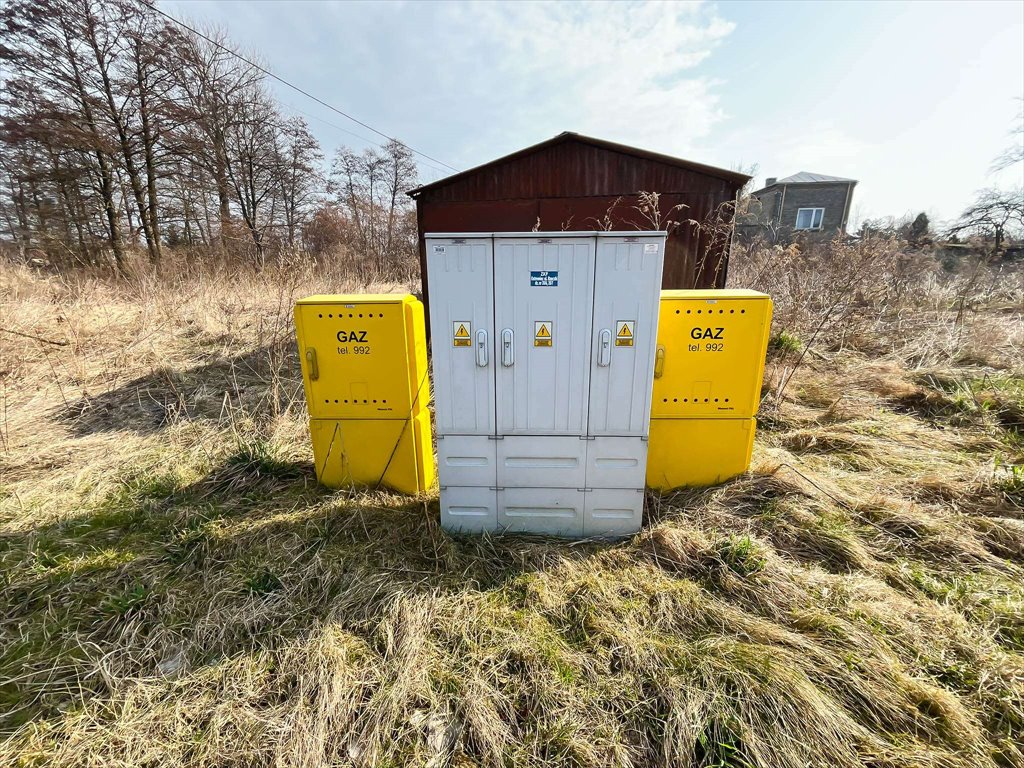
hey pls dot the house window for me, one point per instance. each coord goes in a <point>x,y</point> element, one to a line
<point>809,218</point>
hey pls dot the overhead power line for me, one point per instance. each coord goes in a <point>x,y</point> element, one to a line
<point>353,133</point>
<point>152,6</point>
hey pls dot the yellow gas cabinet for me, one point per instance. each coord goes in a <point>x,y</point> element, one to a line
<point>707,385</point>
<point>364,368</point>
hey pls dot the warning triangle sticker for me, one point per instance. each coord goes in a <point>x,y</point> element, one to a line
<point>462,333</point>
<point>624,330</point>
<point>544,333</point>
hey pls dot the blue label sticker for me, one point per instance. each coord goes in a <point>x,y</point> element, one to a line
<point>544,278</point>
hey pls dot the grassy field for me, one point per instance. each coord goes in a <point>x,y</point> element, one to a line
<point>176,590</point>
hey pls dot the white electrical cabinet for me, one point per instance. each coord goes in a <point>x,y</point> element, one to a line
<point>543,350</point>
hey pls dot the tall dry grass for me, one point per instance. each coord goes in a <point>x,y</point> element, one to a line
<point>877,297</point>
<point>177,591</point>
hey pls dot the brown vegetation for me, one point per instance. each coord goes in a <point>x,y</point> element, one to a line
<point>178,591</point>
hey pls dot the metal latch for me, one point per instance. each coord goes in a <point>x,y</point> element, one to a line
<point>508,355</point>
<point>604,349</point>
<point>311,366</point>
<point>659,361</point>
<point>481,348</point>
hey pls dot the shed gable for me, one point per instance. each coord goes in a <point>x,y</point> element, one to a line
<point>574,167</point>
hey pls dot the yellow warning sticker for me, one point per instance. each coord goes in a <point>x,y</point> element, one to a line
<point>624,333</point>
<point>543,335</point>
<point>461,332</point>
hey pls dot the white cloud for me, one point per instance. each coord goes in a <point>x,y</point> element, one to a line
<point>467,82</point>
<point>893,98</point>
<point>619,71</point>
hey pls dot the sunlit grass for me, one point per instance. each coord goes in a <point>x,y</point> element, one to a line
<point>178,591</point>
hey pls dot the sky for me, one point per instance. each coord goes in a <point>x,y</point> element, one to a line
<point>912,99</point>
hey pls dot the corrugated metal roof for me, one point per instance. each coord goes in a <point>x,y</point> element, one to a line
<point>569,136</point>
<point>806,177</point>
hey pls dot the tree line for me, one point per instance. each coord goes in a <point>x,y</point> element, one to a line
<point>122,133</point>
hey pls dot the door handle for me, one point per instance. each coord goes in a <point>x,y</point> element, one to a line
<point>659,361</point>
<point>604,348</point>
<point>508,353</point>
<point>481,348</point>
<point>311,366</point>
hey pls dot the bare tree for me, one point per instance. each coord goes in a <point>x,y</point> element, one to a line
<point>400,176</point>
<point>994,215</point>
<point>119,129</point>
<point>51,100</point>
<point>349,186</point>
<point>299,177</point>
<point>213,83</point>
<point>149,85</point>
<point>251,159</point>
<point>1013,154</point>
<point>116,34</point>
<point>370,188</point>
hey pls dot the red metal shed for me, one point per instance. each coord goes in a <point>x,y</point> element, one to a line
<point>578,182</point>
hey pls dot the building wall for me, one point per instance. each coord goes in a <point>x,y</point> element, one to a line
<point>761,215</point>
<point>831,197</point>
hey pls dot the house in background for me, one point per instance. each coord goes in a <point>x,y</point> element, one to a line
<point>809,203</point>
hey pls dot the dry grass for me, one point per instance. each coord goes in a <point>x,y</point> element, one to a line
<point>177,591</point>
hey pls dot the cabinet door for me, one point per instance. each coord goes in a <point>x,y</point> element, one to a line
<point>364,358</point>
<point>542,462</point>
<point>466,460</point>
<point>613,512</point>
<point>551,511</point>
<point>714,344</point>
<point>616,462</point>
<point>543,294</point>
<point>626,294</point>
<point>469,510</point>
<point>460,274</point>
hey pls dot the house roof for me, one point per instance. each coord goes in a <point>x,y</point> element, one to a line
<point>806,177</point>
<point>570,136</point>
